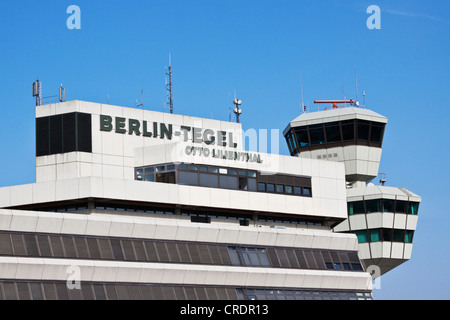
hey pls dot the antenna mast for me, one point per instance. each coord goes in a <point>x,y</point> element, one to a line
<point>303,105</point>
<point>356,84</point>
<point>37,92</point>
<point>62,94</point>
<point>229,105</point>
<point>169,85</point>
<point>237,111</point>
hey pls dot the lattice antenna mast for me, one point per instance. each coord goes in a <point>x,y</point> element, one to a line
<point>169,85</point>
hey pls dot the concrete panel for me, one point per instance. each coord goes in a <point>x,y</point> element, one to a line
<point>29,268</point>
<point>5,219</point>
<point>411,222</point>
<point>358,222</point>
<point>24,221</point>
<point>397,250</point>
<point>399,221</point>
<point>375,220</point>
<point>21,194</point>
<point>49,222</point>
<point>388,220</point>
<point>121,227</point>
<point>407,251</point>
<point>74,224</point>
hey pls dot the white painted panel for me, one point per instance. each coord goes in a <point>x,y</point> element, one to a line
<point>397,250</point>
<point>400,221</point>
<point>5,219</point>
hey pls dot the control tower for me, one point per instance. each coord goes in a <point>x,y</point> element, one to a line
<point>383,218</point>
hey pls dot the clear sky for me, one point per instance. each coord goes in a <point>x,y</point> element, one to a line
<point>261,49</point>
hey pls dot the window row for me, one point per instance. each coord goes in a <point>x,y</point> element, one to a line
<point>382,205</point>
<point>339,132</point>
<point>383,234</point>
<point>294,258</point>
<point>225,178</point>
<point>292,294</point>
<point>207,216</point>
<point>58,290</point>
<point>193,213</point>
<point>282,189</point>
<point>98,248</point>
<point>140,209</point>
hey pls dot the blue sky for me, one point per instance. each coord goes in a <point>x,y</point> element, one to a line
<point>260,49</point>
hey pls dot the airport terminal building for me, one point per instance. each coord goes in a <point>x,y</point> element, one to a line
<point>137,204</point>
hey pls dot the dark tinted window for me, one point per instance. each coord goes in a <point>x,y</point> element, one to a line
<point>63,133</point>
<point>348,130</point>
<point>388,205</point>
<point>399,236</point>
<point>84,125</point>
<point>56,138</point>
<point>372,206</point>
<point>413,207</point>
<point>377,132</point>
<point>356,207</point>
<point>400,206</point>
<point>387,235</point>
<point>363,130</point>
<point>316,134</point>
<point>333,132</point>
<point>42,136</point>
<point>69,132</point>
<point>302,137</point>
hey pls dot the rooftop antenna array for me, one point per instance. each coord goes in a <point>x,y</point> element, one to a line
<point>237,110</point>
<point>169,85</point>
<point>37,92</point>
<point>62,94</point>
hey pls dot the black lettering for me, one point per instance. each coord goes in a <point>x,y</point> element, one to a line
<point>106,123</point>
<point>134,125</point>
<point>208,137</point>
<point>185,130</point>
<point>166,131</point>
<point>146,133</point>
<point>155,130</point>
<point>230,142</point>
<point>222,138</point>
<point>120,125</point>
<point>197,135</point>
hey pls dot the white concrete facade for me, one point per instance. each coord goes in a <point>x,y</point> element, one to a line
<point>108,174</point>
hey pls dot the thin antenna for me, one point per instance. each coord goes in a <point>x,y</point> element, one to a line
<point>364,99</point>
<point>303,109</point>
<point>229,105</point>
<point>142,98</point>
<point>356,84</point>
<point>343,93</point>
